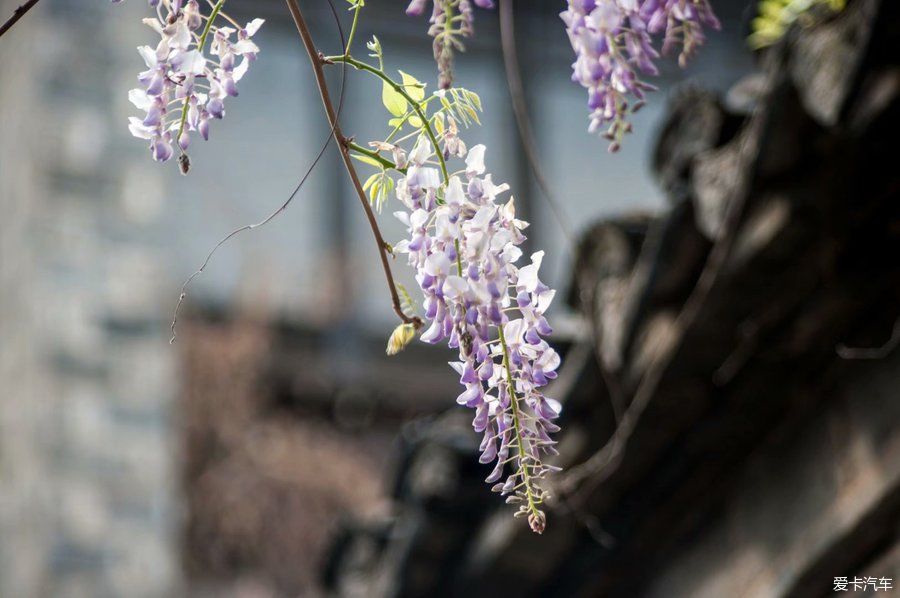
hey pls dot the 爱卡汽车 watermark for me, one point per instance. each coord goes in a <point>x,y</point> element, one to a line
<point>863,584</point>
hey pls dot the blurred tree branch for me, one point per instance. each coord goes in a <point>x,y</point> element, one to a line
<point>316,59</point>
<point>17,14</point>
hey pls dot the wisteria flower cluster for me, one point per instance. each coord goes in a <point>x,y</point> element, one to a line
<point>451,21</point>
<point>464,241</point>
<point>464,246</point>
<point>613,43</point>
<point>186,83</point>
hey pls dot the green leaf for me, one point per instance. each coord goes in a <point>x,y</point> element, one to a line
<point>412,86</point>
<point>415,121</point>
<point>407,305</point>
<point>438,123</point>
<point>366,159</point>
<point>471,112</point>
<point>393,101</point>
<point>371,181</point>
<point>475,99</point>
<point>396,122</point>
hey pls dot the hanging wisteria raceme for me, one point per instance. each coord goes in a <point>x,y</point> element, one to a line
<point>190,72</point>
<point>451,22</point>
<point>613,43</point>
<point>464,241</point>
<point>464,247</point>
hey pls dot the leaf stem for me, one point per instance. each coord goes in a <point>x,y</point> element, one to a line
<point>356,9</point>
<point>399,88</point>
<point>426,125</point>
<point>375,156</point>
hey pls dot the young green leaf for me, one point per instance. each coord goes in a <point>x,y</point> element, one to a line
<point>366,159</point>
<point>395,103</point>
<point>371,181</point>
<point>412,86</point>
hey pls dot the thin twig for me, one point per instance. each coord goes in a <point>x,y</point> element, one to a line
<point>317,60</point>
<point>184,287</point>
<point>17,14</point>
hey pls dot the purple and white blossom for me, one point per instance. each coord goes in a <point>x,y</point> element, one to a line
<point>464,245</point>
<point>451,21</point>
<point>184,87</point>
<point>613,43</point>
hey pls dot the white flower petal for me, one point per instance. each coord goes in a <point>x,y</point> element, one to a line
<point>153,24</point>
<point>429,178</point>
<point>554,404</point>
<point>418,218</point>
<point>240,70</point>
<point>148,54</point>
<point>475,160</point>
<point>421,152</point>
<point>544,300</point>
<point>437,264</point>
<point>140,99</point>
<point>253,26</point>
<point>245,46</point>
<point>192,63</point>
<point>455,287</point>
<point>455,193</point>
<point>138,129</point>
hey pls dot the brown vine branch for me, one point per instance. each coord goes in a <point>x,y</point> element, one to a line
<point>317,60</point>
<point>17,14</point>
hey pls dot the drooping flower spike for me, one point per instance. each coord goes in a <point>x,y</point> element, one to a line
<point>464,245</point>
<point>463,240</point>
<point>191,70</point>
<point>451,22</point>
<point>613,43</point>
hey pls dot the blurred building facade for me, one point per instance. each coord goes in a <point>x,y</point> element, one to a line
<point>87,475</point>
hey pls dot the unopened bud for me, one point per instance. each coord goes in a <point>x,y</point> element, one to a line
<point>537,521</point>
<point>402,336</point>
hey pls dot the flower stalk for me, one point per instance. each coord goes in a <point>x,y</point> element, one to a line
<point>536,518</point>
<point>201,43</point>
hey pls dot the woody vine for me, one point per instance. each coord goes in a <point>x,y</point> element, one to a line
<point>477,293</point>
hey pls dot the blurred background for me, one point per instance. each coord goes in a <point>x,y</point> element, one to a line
<point>240,460</point>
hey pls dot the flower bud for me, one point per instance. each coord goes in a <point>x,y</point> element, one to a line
<point>402,336</point>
